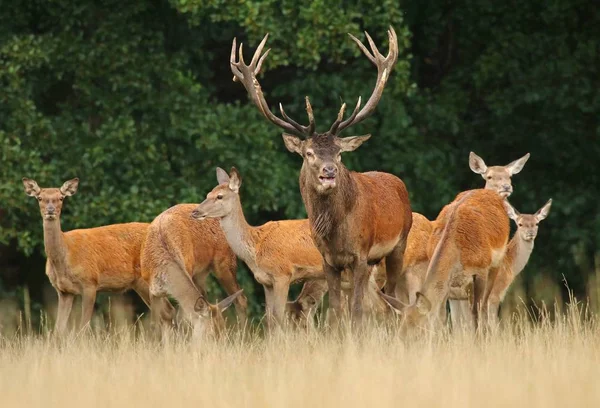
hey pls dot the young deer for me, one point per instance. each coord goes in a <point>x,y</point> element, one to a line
<point>469,239</point>
<point>356,219</point>
<point>176,258</point>
<point>518,251</point>
<point>86,261</point>
<point>278,253</point>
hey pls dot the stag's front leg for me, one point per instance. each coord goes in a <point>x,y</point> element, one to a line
<point>361,271</point>
<point>334,284</point>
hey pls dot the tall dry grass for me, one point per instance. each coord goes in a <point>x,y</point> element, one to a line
<point>547,362</point>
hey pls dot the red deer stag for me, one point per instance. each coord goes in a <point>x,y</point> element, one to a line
<point>356,219</point>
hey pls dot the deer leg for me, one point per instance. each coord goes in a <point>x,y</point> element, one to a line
<point>334,282</point>
<point>393,267</point>
<point>87,306</point>
<point>280,293</point>
<point>225,272</point>
<point>478,296</point>
<point>141,288</point>
<point>361,272</point>
<point>65,304</point>
<point>460,314</point>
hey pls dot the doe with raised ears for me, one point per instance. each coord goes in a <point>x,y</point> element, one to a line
<point>356,219</point>
<point>86,261</point>
<point>278,253</point>
<point>518,252</point>
<point>176,258</point>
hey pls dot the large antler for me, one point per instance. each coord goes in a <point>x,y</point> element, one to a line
<point>246,74</point>
<point>384,67</point>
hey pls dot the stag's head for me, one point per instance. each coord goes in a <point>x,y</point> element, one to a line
<point>50,199</point>
<point>321,151</point>
<point>223,199</point>
<point>497,178</point>
<point>527,224</point>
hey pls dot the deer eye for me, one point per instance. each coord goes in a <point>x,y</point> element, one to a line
<point>39,198</point>
<point>220,197</point>
<point>489,177</point>
<point>61,198</point>
<point>520,224</point>
<point>309,153</point>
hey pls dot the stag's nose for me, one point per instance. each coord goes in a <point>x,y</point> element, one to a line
<point>329,170</point>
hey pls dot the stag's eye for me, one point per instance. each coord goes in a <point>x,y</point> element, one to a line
<point>520,224</point>
<point>220,197</point>
<point>489,177</point>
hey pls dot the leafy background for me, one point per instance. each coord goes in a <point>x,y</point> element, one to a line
<point>136,99</point>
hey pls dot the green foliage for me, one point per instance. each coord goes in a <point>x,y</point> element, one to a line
<point>136,100</point>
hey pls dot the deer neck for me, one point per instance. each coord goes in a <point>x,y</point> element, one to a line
<point>518,253</point>
<point>54,243</point>
<point>239,234</point>
<point>327,211</point>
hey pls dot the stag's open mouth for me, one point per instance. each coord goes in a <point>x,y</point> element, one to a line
<point>327,181</point>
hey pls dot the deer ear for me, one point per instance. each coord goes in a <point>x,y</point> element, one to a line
<point>516,166</point>
<point>222,176</point>
<point>69,187</point>
<point>477,164</point>
<point>543,212</point>
<point>351,143</point>
<point>423,304</point>
<point>293,143</point>
<point>513,214</point>
<point>31,187</point>
<point>235,180</point>
<point>225,303</point>
<point>397,306</point>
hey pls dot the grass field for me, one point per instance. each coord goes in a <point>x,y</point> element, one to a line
<point>547,363</point>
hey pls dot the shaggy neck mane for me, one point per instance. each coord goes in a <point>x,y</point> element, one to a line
<point>326,211</point>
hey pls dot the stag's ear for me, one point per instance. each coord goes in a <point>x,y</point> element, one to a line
<point>225,303</point>
<point>477,164</point>
<point>235,180</point>
<point>513,214</point>
<point>516,166</point>
<point>351,143</point>
<point>222,176</point>
<point>423,304</point>
<point>31,187</point>
<point>543,212</point>
<point>69,187</point>
<point>293,143</point>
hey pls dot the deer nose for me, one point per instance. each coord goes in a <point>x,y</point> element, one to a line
<point>329,170</point>
<point>506,187</point>
<point>50,209</point>
<point>196,214</point>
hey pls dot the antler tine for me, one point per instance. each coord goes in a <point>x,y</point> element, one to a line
<point>363,48</point>
<point>311,117</point>
<point>246,74</point>
<point>338,120</point>
<point>345,123</point>
<point>291,121</point>
<point>372,44</point>
<point>384,66</point>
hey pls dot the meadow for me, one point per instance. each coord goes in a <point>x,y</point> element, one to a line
<point>542,359</point>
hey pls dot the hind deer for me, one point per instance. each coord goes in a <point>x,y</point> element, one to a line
<point>518,251</point>
<point>86,261</point>
<point>356,219</point>
<point>499,179</point>
<point>469,240</point>
<point>278,253</point>
<point>176,258</point>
